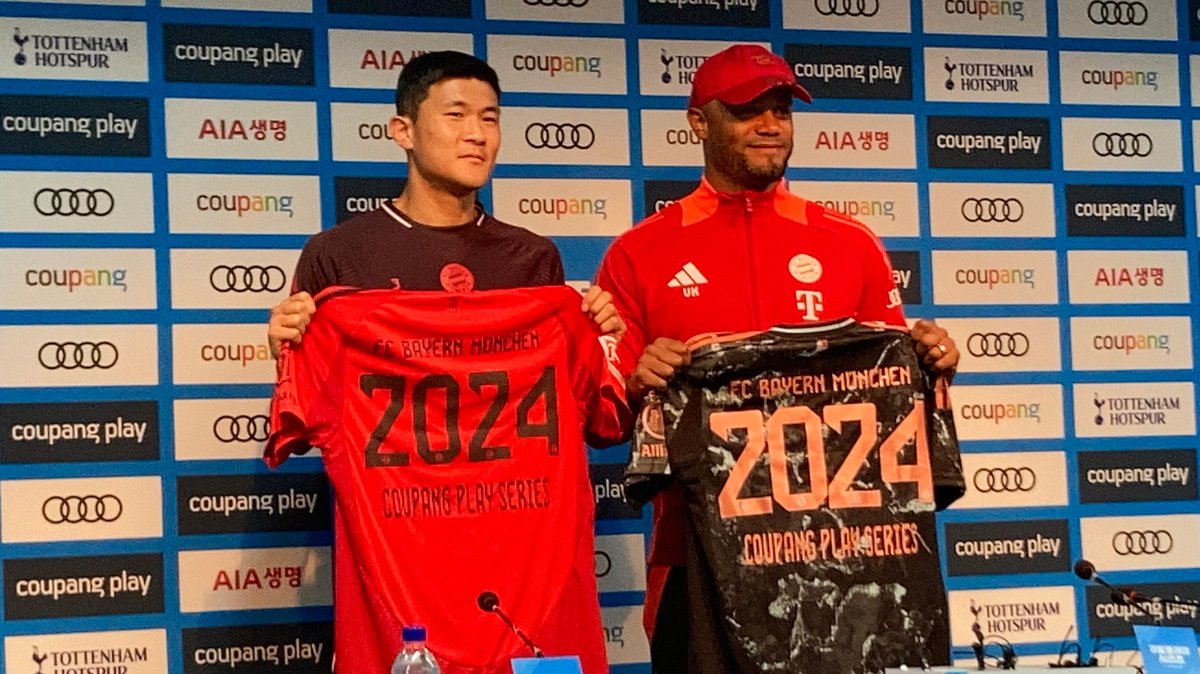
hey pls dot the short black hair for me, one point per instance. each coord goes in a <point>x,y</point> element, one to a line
<point>428,69</point>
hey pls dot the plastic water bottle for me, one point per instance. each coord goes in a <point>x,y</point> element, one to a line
<point>414,658</point>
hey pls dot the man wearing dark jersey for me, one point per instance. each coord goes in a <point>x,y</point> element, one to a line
<point>435,235</point>
<point>741,253</point>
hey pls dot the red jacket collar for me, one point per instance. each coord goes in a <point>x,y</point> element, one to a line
<point>706,199</point>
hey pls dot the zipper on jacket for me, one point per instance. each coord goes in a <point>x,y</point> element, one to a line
<point>752,284</point>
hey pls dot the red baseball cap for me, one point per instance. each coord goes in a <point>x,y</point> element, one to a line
<point>740,74</point>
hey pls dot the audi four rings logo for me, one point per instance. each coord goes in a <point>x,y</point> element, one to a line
<point>50,201</point>
<point>78,355</point>
<point>559,136</point>
<point>242,428</point>
<point>847,7</point>
<point>1117,13</point>
<point>993,344</point>
<point>251,279</point>
<point>556,3</point>
<point>1122,145</point>
<point>992,480</point>
<point>76,509</point>
<point>1142,542</point>
<point>992,210</point>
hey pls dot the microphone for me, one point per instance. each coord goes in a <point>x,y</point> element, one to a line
<point>1087,571</point>
<point>489,602</point>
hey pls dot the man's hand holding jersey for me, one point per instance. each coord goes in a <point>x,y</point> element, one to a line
<point>291,317</point>
<point>598,303</point>
<point>658,363</point>
<point>935,348</point>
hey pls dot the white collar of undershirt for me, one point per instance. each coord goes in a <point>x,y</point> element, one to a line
<point>399,217</point>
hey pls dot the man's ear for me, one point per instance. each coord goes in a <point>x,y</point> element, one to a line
<point>400,128</point>
<point>698,123</point>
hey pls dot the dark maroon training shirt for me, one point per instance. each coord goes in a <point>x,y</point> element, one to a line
<point>387,249</point>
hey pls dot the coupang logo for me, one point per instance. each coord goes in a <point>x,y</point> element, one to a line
<point>252,55</point>
<point>1001,412</point>
<point>237,54</point>
<point>1129,343</point>
<point>558,207</point>
<point>553,65</point>
<point>1004,144</point>
<point>86,127</point>
<point>858,209</point>
<point>1125,210</point>
<point>1008,142</point>
<point>983,9</point>
<point>991,277</point>
<point>863,73</point>
<point>852,71</point>
<point>1119,79</point>
<point>300,649</point>
<point>240,204</point>
<point>73,279</point>
<point>242,354</point>
<point>705,12</point>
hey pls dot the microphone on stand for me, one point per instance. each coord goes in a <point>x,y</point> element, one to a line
<point>1087,571</point>
<point>489,602</point>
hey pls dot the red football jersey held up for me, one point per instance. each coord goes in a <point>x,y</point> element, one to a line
<point>452,428</point>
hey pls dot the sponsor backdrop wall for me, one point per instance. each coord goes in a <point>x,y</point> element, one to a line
<point>1029,165</point>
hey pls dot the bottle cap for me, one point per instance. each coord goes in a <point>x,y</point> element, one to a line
<point>413,633</point>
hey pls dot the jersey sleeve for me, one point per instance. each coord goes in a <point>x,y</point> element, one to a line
<point>648,471</point>
<point>300,416</point>
<point>945,457</point>
<point>609,419</point>
<point>617,276</point>
<point>880,301</point>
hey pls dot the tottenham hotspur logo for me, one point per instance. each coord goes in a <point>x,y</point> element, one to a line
<point>1099,410</point>
<point>950,68</point>
<point>666,61</point>
<point>19,59</point>
<point>38,658</point>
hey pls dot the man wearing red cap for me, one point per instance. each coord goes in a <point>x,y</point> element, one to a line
<point>739,253</point>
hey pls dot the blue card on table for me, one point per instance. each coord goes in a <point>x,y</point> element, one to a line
<point>1167,650</point>
<point>560,665</point>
